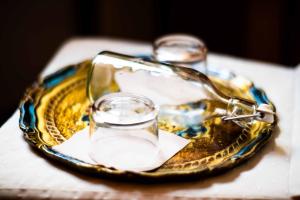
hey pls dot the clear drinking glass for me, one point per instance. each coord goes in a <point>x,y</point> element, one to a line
<point>124,131</point>
<point>181,49</point>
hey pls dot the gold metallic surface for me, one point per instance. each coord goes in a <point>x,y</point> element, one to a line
<point>61,109</point>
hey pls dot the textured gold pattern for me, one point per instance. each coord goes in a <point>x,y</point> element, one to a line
<point>62,108</point>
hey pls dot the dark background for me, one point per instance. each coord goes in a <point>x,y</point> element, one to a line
<point>32,30</point>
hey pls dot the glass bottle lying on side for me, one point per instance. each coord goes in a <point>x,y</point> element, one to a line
<point>186,100</point>
<point>185,97</point>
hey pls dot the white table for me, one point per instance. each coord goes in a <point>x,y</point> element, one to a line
<point>270,174</point>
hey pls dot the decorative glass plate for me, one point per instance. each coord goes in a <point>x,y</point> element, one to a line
<point>55,108</point>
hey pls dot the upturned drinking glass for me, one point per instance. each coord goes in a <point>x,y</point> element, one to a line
<point>181,49</point>
<point>123,131</point>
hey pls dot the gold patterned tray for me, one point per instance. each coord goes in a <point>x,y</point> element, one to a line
<point>55,108</point>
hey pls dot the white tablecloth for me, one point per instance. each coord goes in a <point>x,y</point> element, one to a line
<point>270,174</point>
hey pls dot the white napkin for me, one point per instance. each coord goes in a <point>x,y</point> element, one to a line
<point>79,145</point>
